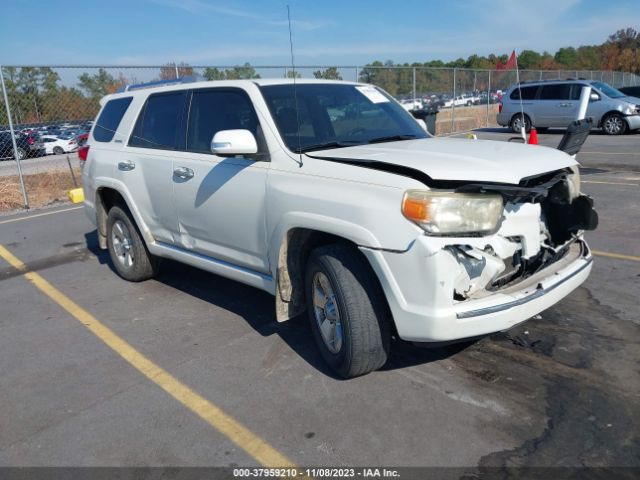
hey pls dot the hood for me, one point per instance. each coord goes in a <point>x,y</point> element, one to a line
<point>632,100</point>
<point>459,159</point>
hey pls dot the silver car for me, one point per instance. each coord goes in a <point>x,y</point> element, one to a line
<point>555,104</point>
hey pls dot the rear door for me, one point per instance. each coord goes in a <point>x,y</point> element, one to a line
<point>146,167</point>
<point>221,200</point>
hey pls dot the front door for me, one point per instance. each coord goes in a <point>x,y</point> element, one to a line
<point>555,108</point>
<point>221,200</point>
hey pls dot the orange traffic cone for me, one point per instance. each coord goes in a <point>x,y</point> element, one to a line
<point>533,136</point>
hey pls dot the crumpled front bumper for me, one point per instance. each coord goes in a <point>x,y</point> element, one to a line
<point>419,284</point>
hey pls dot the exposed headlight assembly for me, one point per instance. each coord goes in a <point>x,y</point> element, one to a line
<point>451,214</point>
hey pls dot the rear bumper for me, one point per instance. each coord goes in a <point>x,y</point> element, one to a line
<point>418,287</point>
<point>503,119</point>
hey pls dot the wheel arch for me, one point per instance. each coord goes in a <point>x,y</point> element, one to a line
<point>108,196</point>
<point>294,250</point>
<point>611,112</point>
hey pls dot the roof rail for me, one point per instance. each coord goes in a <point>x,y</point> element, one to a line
<point>158,83</point>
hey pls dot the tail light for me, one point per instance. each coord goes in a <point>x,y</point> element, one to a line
<point>83,153</point>
<point>72,142</point>
<point>500,107</point>
<point>30,140</point>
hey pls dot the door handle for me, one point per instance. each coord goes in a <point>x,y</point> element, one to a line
<point>126,166</point>
<point>183,172</point>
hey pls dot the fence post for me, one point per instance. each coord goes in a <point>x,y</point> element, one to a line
<point>453,101</point>
<point>414,86</point>
<point>488,97</point>
<point>356,80</point>
<point>25,198</point>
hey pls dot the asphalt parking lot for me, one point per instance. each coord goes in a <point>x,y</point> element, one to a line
<point>193,369</point>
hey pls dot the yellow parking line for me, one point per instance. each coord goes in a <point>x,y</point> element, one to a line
<point>29,217</point>
<point>619,256</point>
<point>244,438</point>
<point>611,183</point>
<point>610,153</point>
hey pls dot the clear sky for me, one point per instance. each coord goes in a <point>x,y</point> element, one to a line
<point>346,32</point>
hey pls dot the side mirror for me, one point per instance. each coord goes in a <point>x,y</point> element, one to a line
<point>594,97</point>
<point>234,142</point>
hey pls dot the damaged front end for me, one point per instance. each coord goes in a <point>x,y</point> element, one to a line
<point>542,223</point>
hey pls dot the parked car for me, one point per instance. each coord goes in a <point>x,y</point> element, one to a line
<point>631,91</point>
<point>59,145</point>
<point>361,220</point>
<point>460,101</point>
<point>28,146</point>
<point>555,104</point>
<point>411,104</point>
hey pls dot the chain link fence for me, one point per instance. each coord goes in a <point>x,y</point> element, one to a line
<point>49,109</point>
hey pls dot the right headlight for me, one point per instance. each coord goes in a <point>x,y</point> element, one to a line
<point>450,213</point>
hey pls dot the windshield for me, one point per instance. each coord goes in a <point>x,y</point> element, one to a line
<point>608,90</point>
<point>337,115</point>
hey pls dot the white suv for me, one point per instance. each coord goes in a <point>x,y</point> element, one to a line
<point>332,198</point>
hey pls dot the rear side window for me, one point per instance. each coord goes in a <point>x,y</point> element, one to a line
<point>109,119</point>
<point>528,93</point>
<point>559,91</point>
<point>215,110</point>
<point>158,125</point>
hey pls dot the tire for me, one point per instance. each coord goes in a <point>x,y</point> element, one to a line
<point>341,273</point>
<point>22,154</point>
<point>129,254</point>
<point>614,124</point>
<point>58,150</point>
<point>515,123</point>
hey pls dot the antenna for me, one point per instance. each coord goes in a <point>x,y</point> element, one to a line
<point>295,92</point>
<point>523,130</point>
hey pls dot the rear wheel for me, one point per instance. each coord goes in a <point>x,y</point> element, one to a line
<point>127,250</point>
<point>22,154</point>
<point>614,124</point>
<point>348,313</point>
<point>58,150</point>
<point>518,120</point>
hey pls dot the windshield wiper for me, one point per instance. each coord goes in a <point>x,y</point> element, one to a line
<point>328,145</point>
<point>392,138</point>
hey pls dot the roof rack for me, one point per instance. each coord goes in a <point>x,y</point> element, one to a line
<point>544,80</point>
<point>158,83</point>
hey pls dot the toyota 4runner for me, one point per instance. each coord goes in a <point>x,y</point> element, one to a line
<point>331,197</point>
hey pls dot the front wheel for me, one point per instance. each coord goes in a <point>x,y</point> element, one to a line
<point>127,250</point>
<point>58,151</point>
<point>614,124</point>
<point>348,313</point>
<point>22,154</point>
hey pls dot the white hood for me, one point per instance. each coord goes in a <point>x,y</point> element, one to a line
<point>460,159</point>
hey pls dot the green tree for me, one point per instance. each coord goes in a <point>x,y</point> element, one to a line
<point>529,60</point>
<point>567,57</point>
<point>245,71</point>
<point>98,85</point>
<point>330,73</point>
<point>212,73</point>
